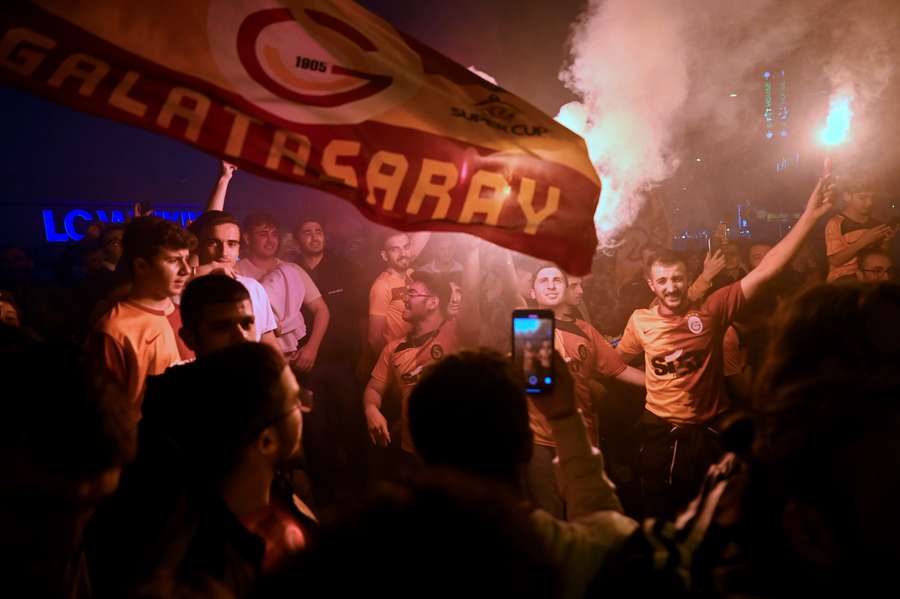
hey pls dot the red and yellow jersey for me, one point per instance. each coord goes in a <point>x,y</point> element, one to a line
<point>683,356</point>
<point>132,342</point>
<point>841,232</point>
<point>588,356</point>
<point>386,299</point>
<point>403,360</point>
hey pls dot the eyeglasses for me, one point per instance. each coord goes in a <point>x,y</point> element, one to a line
<point>409,295</point>
<point>878,272</point>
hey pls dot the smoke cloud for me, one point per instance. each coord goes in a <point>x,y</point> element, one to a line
<point>646,72</point>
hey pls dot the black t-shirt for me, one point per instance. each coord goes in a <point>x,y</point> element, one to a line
<point>340,283</point>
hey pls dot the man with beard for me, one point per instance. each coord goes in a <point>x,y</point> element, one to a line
<point>335,442</point>
<point>138,337</point>
<point>236,517</point>
<point>682,343</point>
<point>386,304</point>
<point>431,337</point>
<point>588,356</point>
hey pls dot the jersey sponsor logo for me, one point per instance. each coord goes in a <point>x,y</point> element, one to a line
<point>678,363</point>
<point>695,325</point>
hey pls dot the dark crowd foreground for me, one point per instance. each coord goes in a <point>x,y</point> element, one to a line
<point>260,409</point>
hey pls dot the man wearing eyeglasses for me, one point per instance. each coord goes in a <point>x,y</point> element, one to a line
<point>402,361</point>
<point>875,265</point>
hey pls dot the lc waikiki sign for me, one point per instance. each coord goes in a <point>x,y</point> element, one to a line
<point>67,223</point>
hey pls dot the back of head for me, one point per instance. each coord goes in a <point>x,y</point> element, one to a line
<point>833,329</point>
<point>450,535</point>
<point>233,397</point>
<point>208,290</point>
<point>469,412</point>
<point>824,483</point>
<point>146,235</point>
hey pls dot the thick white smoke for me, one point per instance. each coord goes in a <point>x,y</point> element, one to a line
<point>647,71</point>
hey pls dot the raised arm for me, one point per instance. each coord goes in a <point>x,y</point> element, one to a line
<point>712,266</point>
<point>819,203</point>
<point>217,198</point>
<point>873,236</point>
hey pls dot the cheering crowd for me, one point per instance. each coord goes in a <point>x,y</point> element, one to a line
<point>250,408</point>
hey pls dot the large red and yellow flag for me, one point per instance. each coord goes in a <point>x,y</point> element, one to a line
<point>321,93</point>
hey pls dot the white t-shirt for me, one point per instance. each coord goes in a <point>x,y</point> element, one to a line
<point>262,309</point>
<point>289,287</point>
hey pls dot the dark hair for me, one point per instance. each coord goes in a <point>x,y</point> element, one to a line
<point>210,219</point>
<point>309,218</point>
<point>664,257</point>
<point>256,219</point>
<point>208,290</point>
<point>147,235</point>
<point>872,251</point>
<point>483,390</point>
<point>454,535</point>
<point>545,265</point>
<point>826,445</point>
<point>833,329</point>
<point>234,397</point>
<point>436,284</point>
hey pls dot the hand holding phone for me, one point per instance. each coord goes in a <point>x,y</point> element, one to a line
<point>561,403</point>
<point>533,334</point>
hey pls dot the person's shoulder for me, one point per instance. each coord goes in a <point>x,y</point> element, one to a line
<point>251,284</point>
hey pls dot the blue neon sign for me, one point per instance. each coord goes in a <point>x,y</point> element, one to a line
<point>60,225</point>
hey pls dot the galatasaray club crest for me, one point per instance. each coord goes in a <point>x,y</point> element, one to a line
<point>315,65</point>
<point>437,352</point>
<point>695,325</point>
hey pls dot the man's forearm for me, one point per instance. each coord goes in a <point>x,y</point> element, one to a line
<point>849,252</point>
<point>582,478</point>
<point>320,324</point>
<point>217,199</point>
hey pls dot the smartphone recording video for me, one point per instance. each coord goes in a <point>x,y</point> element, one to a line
<point>532,341</point>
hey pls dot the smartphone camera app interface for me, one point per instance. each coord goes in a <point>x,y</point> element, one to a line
<point>533,352</point>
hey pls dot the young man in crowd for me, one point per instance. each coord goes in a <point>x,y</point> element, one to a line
<point>138,337</point>
<point>290,289</point>
<point>217,508</point>
<point>111,242</point>
<point>574,298</point>
<point>875,265</point>
<point>756,254</point>
<point>335,442</point>
<point>483,391</point>
<point>588,356</point>
<point>443,262</point>
<point>432,336</point>
<point>218,246</point>
<point>386,303</point>
<point>682,342</point>
<point>851,231</point>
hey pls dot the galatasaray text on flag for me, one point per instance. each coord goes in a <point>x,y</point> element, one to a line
<point>323,94</point>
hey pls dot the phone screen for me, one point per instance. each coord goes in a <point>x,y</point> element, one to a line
<point>532,341</point>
